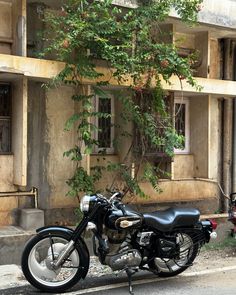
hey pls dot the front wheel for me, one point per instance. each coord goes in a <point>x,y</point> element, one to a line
<point>37,259</point>
<point>188,249</point>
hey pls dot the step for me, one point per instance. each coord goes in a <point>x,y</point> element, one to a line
<point>12,242</point>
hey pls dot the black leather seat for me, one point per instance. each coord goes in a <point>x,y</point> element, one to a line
<point>171,218</point>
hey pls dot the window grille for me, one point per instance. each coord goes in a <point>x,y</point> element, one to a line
<point>182,123</point>
<point>105,133</point>
<point>5,119</point>
<point>143,100</point>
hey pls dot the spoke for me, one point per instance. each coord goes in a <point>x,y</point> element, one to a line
<point>51,244</point>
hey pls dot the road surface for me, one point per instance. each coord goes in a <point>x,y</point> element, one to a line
<point>220,281</point>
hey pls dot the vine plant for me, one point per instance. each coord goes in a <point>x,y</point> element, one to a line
<point>124,39</point>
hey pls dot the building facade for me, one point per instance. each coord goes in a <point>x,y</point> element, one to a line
<point>32,118</point>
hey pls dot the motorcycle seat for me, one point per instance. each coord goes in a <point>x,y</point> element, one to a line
<point>167,220</point>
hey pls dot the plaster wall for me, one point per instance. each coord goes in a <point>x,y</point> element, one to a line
<point>199,134</point>
<point>5,20</point>
<point>19,130</point>
<point>183,40</point>
<point>38,147</point>
<point>48,170</point>
<point>185,190</point>
<point>6,184</point>
<point>5,27</point>
<point>59,108</point>
<point>183,166</point>
<point>214,136</point>
<point>108,177</point>
<point>202,47</point>
<point>215,60</point>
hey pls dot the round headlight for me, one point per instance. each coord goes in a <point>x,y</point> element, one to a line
<point>84,203</point>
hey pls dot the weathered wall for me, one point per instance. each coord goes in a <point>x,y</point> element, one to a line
<point>19,129</point>
<point>202,47</point>
<point>48,169</point>
<point>183,166</point>
<point>199,109</point>
<point>6,184</point>
<point>59,108</point>
<point>214,138</point>
<point>195,191</point>
<point>38,147</point>
<point>215,60</point>
<point>5,27</point>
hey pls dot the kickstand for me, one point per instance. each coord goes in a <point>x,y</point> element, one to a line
<point>129,274</point>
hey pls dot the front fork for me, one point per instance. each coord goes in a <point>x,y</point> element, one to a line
<point>63,256</point>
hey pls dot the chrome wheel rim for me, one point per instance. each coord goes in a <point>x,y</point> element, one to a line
<point>40,262</point>
<point>186,250</point>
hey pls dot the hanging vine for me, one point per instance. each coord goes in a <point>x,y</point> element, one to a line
<point>90,31</point>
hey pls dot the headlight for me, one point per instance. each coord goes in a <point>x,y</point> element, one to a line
<point>84,203</point>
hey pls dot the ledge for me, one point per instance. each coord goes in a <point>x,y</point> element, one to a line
<point>41,70</point>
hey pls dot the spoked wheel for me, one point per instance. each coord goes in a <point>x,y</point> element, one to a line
<point>188,250</point>
<point>37,263</point>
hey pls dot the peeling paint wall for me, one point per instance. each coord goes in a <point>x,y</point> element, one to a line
<point>59,108</point>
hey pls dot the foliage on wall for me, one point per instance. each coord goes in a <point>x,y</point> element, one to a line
<point>130,42</point>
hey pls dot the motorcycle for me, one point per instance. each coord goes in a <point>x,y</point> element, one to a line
<point>162,242</point>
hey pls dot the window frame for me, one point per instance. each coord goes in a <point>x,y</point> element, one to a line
<point>111,149</point>
<point>186,102</point>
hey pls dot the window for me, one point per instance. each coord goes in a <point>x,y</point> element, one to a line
<point>105,133</point>
<point>182,123</point>
<point>5,119</point>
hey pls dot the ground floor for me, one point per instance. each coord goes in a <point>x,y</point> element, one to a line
<point>33,139</point>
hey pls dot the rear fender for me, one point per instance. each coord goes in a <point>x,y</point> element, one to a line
<point>68,233</point>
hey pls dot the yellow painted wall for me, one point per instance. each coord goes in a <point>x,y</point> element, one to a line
<point>59,107</point>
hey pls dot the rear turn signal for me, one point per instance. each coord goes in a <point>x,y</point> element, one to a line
<point>213,224</point>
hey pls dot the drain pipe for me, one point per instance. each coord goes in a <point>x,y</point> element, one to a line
<point>227,151</point>
<point>228,125</point>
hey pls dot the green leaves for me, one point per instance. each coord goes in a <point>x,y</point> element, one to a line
<point>130,42</point>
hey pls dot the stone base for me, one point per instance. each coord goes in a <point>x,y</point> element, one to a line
<point>31,219</point>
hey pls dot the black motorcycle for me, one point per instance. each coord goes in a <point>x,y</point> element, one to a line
<point>163,242</point>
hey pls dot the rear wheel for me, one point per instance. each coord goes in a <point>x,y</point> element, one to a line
<point>188,250</point>
<point>37,259</point>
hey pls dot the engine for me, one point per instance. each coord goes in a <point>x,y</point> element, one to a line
<point>121,254</point>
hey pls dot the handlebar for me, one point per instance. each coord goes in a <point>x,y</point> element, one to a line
<point>117,195</point>
<point>115,198</point>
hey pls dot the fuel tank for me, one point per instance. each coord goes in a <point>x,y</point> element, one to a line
<point>118,220</point>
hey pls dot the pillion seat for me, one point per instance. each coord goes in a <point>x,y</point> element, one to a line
<point>167,220</point>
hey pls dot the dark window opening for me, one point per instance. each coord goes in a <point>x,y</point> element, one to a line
<point>104,124</point>
<point>5,118</point>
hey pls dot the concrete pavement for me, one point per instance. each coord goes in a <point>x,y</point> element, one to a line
<point>208,263</point>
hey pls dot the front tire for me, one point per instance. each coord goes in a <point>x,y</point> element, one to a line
<point>37,257</point>
<point>189,248</point>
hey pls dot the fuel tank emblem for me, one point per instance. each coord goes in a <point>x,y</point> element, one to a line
<point>127,223</point>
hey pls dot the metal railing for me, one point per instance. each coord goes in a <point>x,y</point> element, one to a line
<point>32,193</point>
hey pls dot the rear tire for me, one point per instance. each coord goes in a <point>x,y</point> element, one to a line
<point>189,249</point>
<point>36,259</point>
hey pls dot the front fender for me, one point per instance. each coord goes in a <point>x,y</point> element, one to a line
<point>54,230</point>
<point>68,233</point>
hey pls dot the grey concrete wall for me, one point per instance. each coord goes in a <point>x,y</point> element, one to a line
<point>38,148</point>
<point>48,170</point>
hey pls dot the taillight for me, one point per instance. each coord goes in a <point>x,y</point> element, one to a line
<point>213,224</point>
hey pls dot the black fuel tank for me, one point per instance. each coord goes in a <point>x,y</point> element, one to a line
<point>116,219</point>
